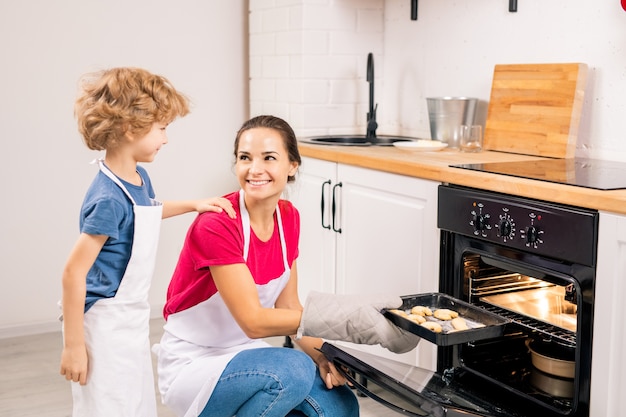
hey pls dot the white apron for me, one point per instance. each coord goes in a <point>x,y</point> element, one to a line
<point>120,380</point>
<point>200,341</point>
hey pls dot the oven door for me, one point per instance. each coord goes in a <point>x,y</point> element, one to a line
<point>413,391</point>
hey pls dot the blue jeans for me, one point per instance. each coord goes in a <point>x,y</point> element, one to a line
<point>277,382</point>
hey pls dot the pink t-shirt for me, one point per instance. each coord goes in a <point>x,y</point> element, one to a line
<point>216,239</point>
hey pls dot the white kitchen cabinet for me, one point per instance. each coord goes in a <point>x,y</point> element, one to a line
<point>316,263</point>
<point>381,239</point>
<point>608,371</point>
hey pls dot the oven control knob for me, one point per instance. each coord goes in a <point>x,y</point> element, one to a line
<point>506,228</point>
<point>480,222</point>
<point>532,236</point>
<point>506,225</point>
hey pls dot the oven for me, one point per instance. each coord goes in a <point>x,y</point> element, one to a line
<point>526,270</point>
<point>534,263</point>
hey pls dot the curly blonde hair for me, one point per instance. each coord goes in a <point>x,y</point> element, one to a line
<point>120,100</point>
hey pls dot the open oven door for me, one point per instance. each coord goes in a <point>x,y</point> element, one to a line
<point>410,390</point>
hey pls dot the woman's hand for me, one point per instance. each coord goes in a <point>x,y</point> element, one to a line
<point>330,375</point>
<point>354,318</point>
<point>328,372</point>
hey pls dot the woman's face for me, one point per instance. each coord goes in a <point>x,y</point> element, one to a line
<point>263,163</point>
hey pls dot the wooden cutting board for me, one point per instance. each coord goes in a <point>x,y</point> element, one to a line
<point>535,109</point>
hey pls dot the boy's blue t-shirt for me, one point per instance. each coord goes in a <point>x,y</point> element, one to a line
<point>106,210</point>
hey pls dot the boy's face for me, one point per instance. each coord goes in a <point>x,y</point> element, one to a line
<point>145,148</point>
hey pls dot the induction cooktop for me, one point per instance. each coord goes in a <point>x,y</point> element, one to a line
<point>580,172</point>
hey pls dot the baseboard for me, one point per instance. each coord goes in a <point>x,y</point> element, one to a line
<point>30,329</point>
<point>51,326</point>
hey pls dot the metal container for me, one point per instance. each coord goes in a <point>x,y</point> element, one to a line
<point>552,359</point>
<point>447,114</point>
<point>557,387</point>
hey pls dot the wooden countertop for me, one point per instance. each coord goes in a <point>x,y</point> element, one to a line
<point>435,166</point>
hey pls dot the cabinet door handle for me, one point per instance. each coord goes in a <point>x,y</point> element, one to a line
<point>324,205</point>
<point>334,207</point>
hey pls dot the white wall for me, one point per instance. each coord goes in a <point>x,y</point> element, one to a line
<point>201,46</point>
<point>453,46</point>
<point>308,60</point>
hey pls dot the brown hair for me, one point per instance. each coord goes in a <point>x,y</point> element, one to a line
<point>282,127</point>
<point>120,100</point>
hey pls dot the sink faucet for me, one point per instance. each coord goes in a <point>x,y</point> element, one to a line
<point>372,125</point>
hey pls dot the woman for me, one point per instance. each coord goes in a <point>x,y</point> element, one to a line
<point>234,284</point>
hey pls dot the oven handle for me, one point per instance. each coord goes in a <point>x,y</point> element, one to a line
<point>375,397</point>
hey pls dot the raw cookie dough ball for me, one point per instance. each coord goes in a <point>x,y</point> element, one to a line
<point>432,326</point>
<point>416,318</point>
<point>445,314</point>
<point>459,323</point>
<point>399,312</point>
<point>422,311</point>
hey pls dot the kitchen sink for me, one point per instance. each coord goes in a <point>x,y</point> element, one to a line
<point>370,138</point>
<point>356,140</point>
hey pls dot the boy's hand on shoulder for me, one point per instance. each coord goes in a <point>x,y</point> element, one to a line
<point>216,204</point>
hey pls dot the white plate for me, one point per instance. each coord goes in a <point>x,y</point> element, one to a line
<point>421,145</point>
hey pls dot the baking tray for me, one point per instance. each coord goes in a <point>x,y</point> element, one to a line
<point>492,324</point>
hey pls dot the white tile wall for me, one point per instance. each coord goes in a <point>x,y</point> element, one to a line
<point>450,50</point>
<point>308,61</point>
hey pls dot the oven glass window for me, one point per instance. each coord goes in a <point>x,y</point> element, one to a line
<point>548,302</point>
<point>543,309</point>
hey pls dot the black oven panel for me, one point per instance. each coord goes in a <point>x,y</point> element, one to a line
<point>557,231</point>
<point>533,262</point>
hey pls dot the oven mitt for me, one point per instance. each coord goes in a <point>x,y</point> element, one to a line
<point>356,319</point>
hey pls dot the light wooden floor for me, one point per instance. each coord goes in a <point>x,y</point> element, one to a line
<point>30,384</point>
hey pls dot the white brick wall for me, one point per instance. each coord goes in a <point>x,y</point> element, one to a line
<point>308,61</point>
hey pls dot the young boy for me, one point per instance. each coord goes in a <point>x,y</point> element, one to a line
<point>106,352</point>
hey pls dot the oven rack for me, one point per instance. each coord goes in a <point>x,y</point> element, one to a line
<point>483,279</point>
<point>566,337</point>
